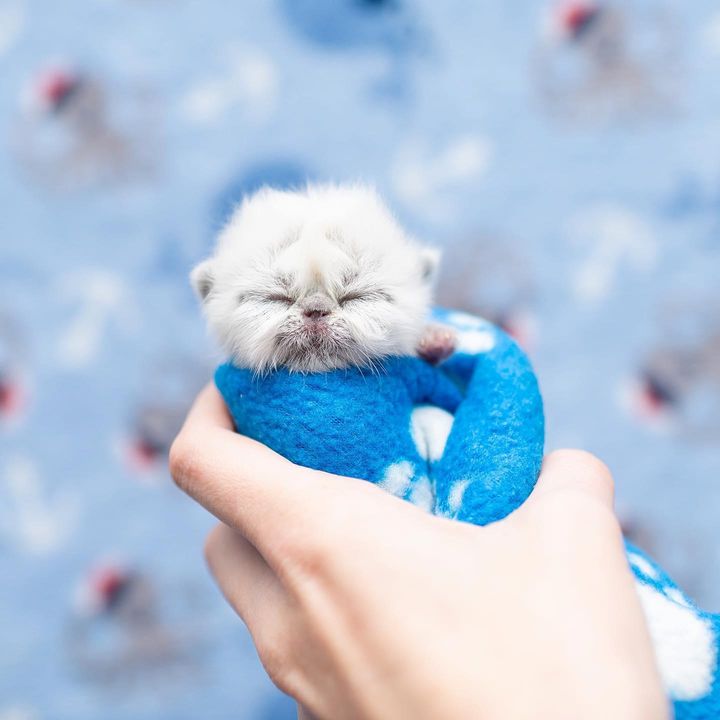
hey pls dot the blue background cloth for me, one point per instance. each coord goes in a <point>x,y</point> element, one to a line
<point>577,200</point>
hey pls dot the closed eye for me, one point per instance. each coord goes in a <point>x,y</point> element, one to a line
<point>279,298</point>
<point>368,295</point>
<point>351,297</point>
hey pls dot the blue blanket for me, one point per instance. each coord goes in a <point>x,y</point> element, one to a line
<point>464,440</point>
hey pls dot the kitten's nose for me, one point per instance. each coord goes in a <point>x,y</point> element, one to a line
<point>316,307</point>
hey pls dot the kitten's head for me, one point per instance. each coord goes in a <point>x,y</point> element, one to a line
<point>315,280</point>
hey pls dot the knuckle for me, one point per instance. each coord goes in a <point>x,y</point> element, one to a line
<point>283,662</point>
<point>310,559</point>
<point>275,661</point>
<point>318,560</point>
<point>176,457</point>
<point>306,556</point>
<point>182,461</point>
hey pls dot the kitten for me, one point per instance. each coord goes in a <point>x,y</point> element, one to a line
<point>318,279</point>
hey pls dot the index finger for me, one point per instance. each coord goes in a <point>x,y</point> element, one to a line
<point>274,503</point>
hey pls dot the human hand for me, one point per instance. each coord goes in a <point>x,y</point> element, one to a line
<point>362,606</point>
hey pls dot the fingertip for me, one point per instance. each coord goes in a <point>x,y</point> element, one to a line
<point>209,409</point>
<point>572,458</point>
<point>576,470</point>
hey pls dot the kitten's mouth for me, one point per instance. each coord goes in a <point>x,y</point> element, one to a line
<point>316,328</point>
<point>314,346</point>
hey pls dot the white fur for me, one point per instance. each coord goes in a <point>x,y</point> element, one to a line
<point>338,246</point>
<point>684,644</point>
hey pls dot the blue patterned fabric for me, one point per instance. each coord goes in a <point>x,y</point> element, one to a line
<point>686,640</point>
<point>359,423</point>
<point>493,453</point>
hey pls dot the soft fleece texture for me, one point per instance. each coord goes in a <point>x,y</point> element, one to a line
<point>464,440</point>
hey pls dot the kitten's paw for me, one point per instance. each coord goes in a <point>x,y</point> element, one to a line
<point>437,344</point>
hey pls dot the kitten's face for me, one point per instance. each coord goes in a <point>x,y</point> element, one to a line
<point>314,281</point>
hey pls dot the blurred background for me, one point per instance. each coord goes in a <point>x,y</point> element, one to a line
<point>566,157</point>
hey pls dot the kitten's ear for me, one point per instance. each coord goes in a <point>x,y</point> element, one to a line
<point>202,279</point>
<point>430,259</point>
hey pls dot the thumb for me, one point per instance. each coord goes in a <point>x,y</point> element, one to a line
<point>574,471</point>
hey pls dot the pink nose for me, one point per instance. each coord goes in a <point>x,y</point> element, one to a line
<point>315,313</point>
<point>316,307</point>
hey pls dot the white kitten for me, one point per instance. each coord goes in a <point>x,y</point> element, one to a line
<point>314,280</point>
